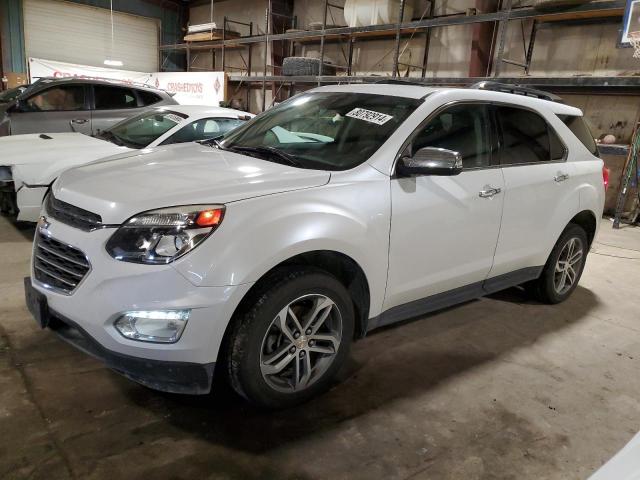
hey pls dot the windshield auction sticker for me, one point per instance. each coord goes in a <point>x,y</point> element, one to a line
<point>369,116</point>
<point>174,118</point>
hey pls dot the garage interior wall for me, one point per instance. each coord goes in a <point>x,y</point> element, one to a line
<point>561,49</point>
<point>11,38</point>
<point>172,15</point>
<point>245,11</point>
<point>68,32</point>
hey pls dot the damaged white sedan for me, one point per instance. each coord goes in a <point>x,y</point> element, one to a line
<point>30,163</point>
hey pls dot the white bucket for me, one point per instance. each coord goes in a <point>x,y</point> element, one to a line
<point>360,13</point>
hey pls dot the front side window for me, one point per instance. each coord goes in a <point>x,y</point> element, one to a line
<point>328,130</point>
<point>203,129</point>
<point>113,98</point>
<point>526,137</point>
<point>61,98</point>
<point>461,128</point>
<point>143,129</point>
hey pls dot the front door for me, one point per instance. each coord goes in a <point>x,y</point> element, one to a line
<point>61,108</point>
<point>444,229</point>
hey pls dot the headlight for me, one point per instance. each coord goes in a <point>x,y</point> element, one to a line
<point>161,236</point>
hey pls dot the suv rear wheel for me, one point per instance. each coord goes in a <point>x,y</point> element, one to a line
<point>288,346</point>
<point>564,267</point>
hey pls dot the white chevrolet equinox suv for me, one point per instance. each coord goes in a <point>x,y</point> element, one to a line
<point>261,256</point>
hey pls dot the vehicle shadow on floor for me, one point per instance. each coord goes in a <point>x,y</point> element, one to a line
<point>388,365</point>
<point>11,229</point>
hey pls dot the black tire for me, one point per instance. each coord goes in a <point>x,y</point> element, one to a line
<point>303,66</point>
<point>550,5</point>
<point>252,327</point>
<point>545,288</point>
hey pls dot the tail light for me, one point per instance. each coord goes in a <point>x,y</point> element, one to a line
<point>605,177</point>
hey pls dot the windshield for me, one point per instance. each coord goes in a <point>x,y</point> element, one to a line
<point>141,130</point>
<point>329,131</point>
<point>12,94</point>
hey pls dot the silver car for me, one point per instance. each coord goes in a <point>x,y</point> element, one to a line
<point>55,105</point>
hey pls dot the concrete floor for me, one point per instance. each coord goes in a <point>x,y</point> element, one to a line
<point>499,388</point>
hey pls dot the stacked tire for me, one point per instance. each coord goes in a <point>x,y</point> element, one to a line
<point>305,66</point>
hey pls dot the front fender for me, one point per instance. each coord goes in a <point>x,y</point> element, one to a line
<point>258,234</point>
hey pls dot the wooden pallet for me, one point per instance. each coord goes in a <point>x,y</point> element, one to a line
<point>215,34</point>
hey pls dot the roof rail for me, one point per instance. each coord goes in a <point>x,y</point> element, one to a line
<point>517,90</point>
<point>397,81</point>
<point>113,81</point>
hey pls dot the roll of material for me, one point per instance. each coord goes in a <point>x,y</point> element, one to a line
<point>360,13</point>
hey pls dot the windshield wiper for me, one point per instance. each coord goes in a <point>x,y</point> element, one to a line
<point>209,142</point>
<point>109,136</point>
<point>271,151</point>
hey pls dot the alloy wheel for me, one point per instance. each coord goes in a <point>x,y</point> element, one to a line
<point>301,343</point>
<point>568,265</point>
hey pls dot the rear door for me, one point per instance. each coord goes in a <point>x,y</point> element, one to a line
<point>539,191</point>
<point>444,229</point>
<point>112,104</point>
<point>59,108</point>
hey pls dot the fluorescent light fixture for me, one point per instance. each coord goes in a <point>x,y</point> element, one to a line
<point>113,63</point>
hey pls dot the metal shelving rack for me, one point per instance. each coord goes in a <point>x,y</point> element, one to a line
<point>398,31</point>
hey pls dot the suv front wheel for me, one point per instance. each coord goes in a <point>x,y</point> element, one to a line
<point>289,344</point>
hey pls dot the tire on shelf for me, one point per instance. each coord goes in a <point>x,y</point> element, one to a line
<point>556,4</point>
<point>305,66</point>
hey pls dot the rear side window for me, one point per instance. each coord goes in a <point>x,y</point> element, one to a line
<point>148,98</point>
<point>526,137</point>
<point>581,130</point>
<point>113,98</point>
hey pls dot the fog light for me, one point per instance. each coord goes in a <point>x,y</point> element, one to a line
<point>158,326</point>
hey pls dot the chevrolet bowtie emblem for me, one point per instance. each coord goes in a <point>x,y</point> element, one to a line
<point>43,224</point>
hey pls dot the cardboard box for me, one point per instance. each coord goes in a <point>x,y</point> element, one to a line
<point>14,79</point>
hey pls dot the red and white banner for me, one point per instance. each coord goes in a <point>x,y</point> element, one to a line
<point>190,88</point>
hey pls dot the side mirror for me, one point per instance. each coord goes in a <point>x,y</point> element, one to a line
<point>18,106</point>
<point>430,161</point>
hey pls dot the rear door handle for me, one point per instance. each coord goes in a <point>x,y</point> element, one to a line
<point>489,192</point>
<point>79,120</point>
<point>561,177</point>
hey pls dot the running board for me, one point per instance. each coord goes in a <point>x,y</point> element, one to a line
<point>453,297</point>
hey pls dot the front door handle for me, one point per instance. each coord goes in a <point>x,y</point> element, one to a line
<point>79,121</point>
<point>561,177</point>
<point>489,192</point>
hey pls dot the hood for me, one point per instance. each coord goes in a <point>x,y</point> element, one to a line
<point>183,174</point>
<point>37,159</point>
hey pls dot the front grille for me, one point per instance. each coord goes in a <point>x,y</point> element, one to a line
<point>57,264</point>
<point>71,215</point>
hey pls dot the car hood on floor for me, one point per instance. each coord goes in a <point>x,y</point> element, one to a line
<point>38,159</point>
<point>185,174</point>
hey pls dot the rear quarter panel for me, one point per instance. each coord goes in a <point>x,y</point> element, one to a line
<point>587,179</point>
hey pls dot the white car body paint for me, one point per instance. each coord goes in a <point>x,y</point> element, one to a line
<point>412,237</point>
<point>36,160</point>
<point>625,465</point>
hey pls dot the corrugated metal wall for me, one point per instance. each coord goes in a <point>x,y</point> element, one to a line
<point>172,17</point>
<point>12,36</point>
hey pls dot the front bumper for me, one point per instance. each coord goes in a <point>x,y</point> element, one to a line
<point>173,377</point>
<point>113,287</point>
